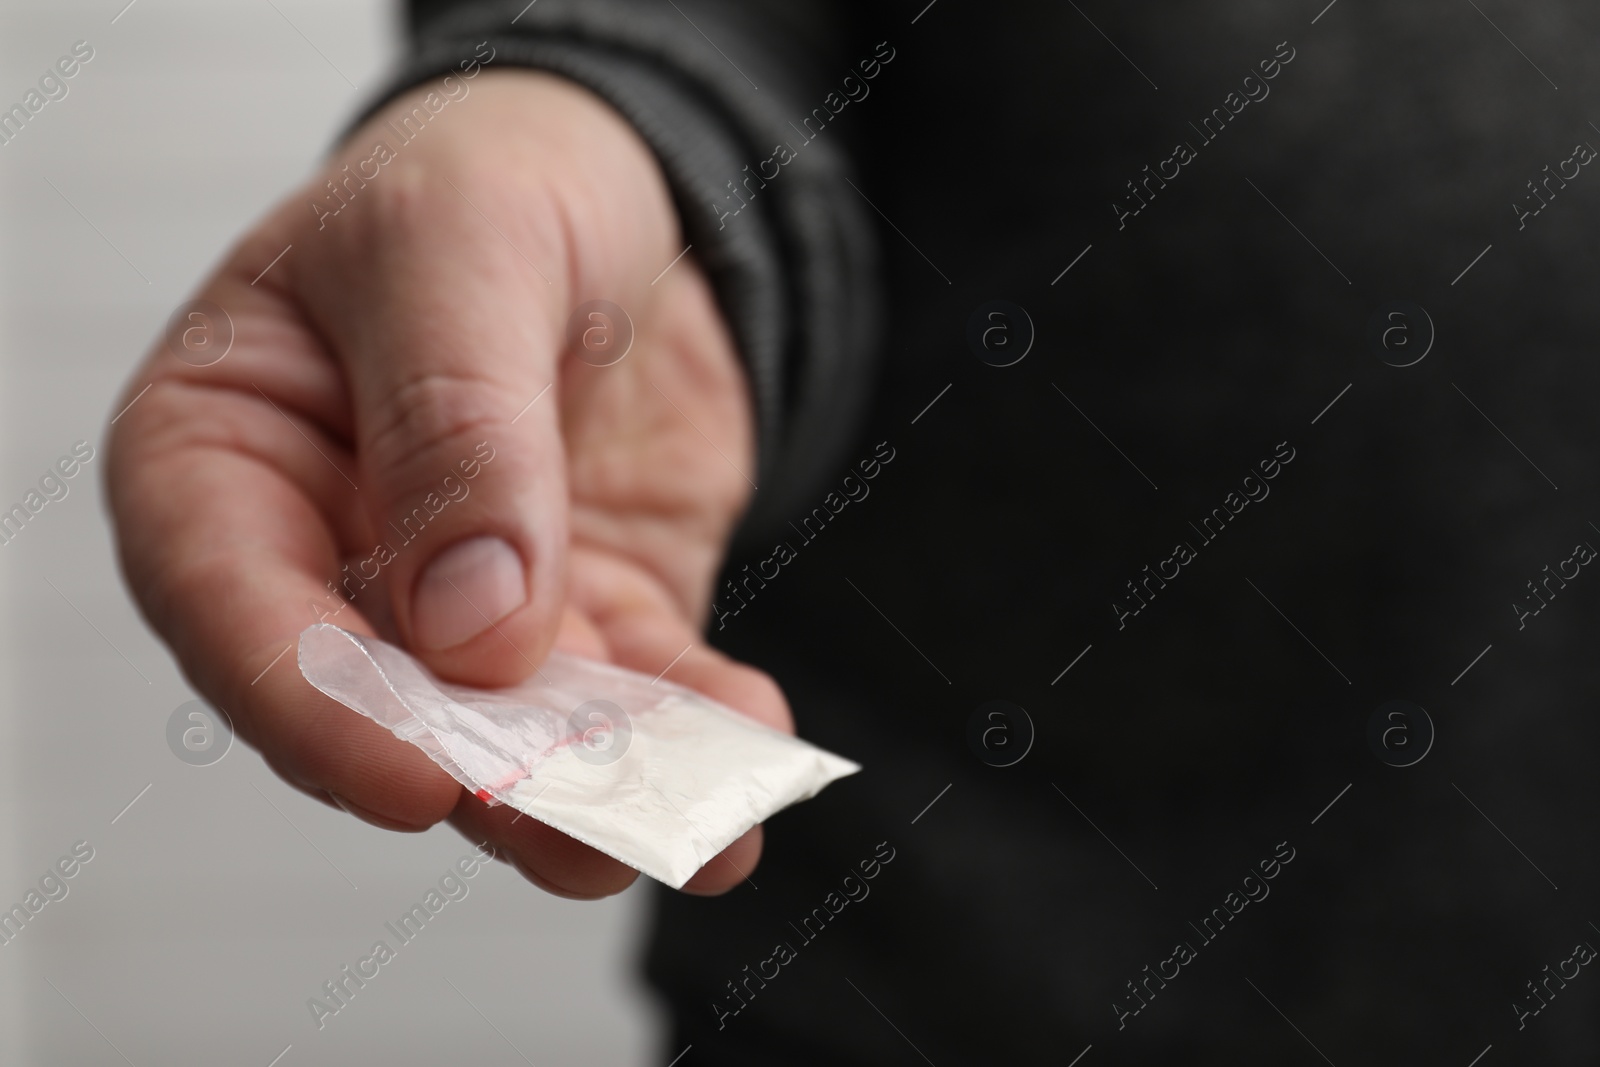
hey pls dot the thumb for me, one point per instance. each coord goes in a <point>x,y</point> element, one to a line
<point>449,331</point>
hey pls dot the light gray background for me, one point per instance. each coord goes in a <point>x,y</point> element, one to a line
<point>207,918</point>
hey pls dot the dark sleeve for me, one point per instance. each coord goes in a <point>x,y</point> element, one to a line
<point>714,86</point>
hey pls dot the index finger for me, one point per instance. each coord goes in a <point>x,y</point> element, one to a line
<point>229,489</point>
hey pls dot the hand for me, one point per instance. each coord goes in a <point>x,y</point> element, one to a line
<point>398,343</point>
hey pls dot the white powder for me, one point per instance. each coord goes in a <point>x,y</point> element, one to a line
<point>654,775</point>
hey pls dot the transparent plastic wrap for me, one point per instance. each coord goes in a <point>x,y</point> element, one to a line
<point>648,772</point>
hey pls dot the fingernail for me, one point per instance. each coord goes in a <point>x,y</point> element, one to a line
<point>467,588</point>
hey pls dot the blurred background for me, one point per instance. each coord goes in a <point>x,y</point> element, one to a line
<point>218,900</point>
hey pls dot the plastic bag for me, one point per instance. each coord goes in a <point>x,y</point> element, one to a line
<point>648,772</point>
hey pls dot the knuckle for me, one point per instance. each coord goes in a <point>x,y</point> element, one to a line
<point>398,193</point>
<point>405,197</point>
<point>428,418</point>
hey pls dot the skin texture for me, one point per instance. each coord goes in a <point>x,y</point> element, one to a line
<point>392,340</point>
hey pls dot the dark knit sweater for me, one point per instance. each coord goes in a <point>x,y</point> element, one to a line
<point>1203,531</point>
